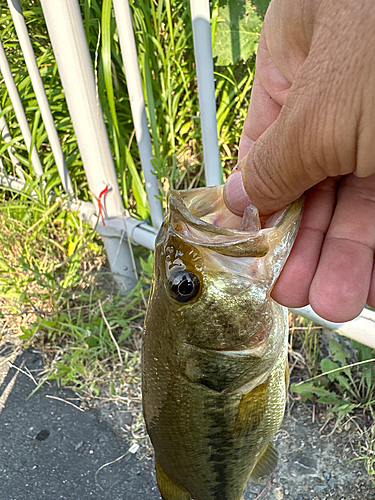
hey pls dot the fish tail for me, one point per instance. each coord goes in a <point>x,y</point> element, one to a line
<point>168,489</point>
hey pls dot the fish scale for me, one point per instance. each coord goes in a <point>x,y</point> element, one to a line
<point>214,354</point>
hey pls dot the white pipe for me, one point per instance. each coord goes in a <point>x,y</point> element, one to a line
<point>65,27</point>
<point>200,13</point>
<point>5,132</point>
<point>36,80</point>
<point>10,181</point>
<point>19,111</point>
<point>360,329</point>
<point>134,84</point>
<point>138,231</point>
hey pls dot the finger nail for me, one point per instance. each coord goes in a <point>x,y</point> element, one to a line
<point>235,196</point>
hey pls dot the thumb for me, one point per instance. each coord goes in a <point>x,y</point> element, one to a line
<point>273,173</point>
<point>320,131</point>
<point>312,138</point>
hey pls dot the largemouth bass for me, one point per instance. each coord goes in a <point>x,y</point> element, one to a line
<point>215,371</point>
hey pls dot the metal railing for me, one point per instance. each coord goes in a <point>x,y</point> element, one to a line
<point>66,31</point>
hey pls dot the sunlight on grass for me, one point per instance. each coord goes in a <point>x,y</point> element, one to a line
<point>57,294</point>
<point>50,259</point>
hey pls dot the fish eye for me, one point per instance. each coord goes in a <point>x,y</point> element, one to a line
<point>183,285</point>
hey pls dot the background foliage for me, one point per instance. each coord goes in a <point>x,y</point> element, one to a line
<point>164,41</point>
<point>51,262</point>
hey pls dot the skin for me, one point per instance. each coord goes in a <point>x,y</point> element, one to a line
<point>310,128</point>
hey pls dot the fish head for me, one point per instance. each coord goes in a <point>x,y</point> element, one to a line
<point>214,271</point>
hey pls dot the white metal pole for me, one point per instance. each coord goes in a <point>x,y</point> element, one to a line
<point>65,27</point>
<point>361,329</point>
<point>137,231</point>
<point>28,52</point>
<point>19,111</point>
<point>7,137</point>
<point>137,102</point>
<point>200,13</point>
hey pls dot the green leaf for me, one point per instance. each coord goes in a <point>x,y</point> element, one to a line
<point>107,37</point>
<point>261,7</point>
<point>345,408</point>
<point>186,127</point>
<point>327,365</point>
<point>338,352</point>
<point>92,341</point>
<point>138,187</point>
<point>364,352</point>
<point>330,399</point>
<point>308,390</point>
<point>125,334</point>
<point>147,265</point>
<point>237,32</point>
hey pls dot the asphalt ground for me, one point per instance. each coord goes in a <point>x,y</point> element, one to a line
<point>53,447</point>
<point>50,449</point>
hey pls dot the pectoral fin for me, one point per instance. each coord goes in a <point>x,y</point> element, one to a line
<point>266,464</point>
<point>251,409</point>
<point>168,489</point>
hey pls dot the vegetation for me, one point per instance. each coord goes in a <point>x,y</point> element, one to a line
<point>336,376</point>
<point>51,261</point>
<point>55,288</point>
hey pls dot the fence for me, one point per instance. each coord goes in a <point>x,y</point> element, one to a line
<point>117,228</point>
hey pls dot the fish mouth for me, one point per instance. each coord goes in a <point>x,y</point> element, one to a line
<point>200,217</point>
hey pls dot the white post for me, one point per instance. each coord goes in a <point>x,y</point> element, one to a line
<point>134,84</point>
<point>65,27</point>
<point>200,13</point>
<point>6,135</point>
<point>19,111</point>
<point>28,52</point>
<point>361,329</point>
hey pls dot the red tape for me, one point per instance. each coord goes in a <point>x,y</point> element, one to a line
<point>100,203</point>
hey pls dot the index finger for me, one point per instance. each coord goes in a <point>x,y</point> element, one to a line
<point>262,112</point>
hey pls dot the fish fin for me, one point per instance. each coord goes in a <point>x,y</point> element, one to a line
<point>266,464</point>
<point>168,489</point>
<point>251,409</point>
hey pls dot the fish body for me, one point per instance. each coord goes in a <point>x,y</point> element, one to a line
<point>215,371</point>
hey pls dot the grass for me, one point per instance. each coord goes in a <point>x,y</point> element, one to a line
<point>341,373</point>
<point>48,253</point>
<point>57,294</point>
<point>60,297</point>
<point>336,376</point>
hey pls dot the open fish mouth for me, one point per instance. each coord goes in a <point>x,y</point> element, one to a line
<point>201,218</point>
<point>219,264</point>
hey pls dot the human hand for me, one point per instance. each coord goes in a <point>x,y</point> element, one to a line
<point>310,127</point>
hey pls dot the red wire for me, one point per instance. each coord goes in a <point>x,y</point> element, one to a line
<point>102,193</point>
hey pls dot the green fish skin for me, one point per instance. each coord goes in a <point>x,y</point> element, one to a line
<point>214,358</point>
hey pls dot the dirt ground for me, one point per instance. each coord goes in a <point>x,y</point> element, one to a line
<point>313,464</point>
<point>54,445</point>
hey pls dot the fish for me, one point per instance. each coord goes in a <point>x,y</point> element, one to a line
<point>214,349</point>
